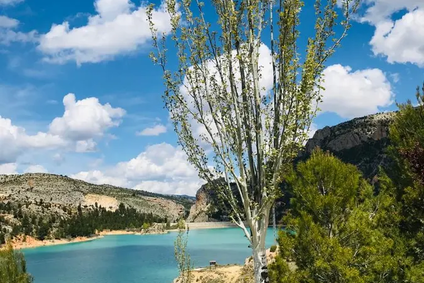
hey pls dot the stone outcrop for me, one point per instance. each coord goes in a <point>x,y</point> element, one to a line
<point>199,211</point>
<point>361,141</point>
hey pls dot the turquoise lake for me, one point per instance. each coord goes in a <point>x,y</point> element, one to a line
<point>134,259</point>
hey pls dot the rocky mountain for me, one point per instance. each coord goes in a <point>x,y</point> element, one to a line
<point>58,195</point>
<point>362,142</point>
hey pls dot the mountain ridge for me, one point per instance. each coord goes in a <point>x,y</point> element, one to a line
<point>60,190</point>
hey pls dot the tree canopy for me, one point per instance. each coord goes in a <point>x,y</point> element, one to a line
<point>242,98</point>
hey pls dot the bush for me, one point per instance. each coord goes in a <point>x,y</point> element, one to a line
<point>273,248</point>
<point>13,266</point>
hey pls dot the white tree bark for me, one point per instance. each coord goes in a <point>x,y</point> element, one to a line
<point>260,265</point>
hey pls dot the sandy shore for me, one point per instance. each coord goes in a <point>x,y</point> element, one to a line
<point>232,273</point>
<point>31,242</point>
<point>210,225</point>
<point>124,232</point>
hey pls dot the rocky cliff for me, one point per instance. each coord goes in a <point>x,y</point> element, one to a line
<point>199,211</point>
<point>60,194</point>
<point>362,141</point>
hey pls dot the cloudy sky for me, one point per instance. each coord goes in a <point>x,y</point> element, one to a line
<point>79,95</point>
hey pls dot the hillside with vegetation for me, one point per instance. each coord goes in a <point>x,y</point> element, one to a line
<point>46,206</point>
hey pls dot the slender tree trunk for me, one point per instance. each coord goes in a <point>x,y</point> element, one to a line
<point>260,264</point>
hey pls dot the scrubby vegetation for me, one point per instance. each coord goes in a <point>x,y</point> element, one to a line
<point>13,267</point>
<point>340,228</point>
<point>14,221</point>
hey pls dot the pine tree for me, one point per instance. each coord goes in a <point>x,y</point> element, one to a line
<point>407,137</point>
<point>334,229</point>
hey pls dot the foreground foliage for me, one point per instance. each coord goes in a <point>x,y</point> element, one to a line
<point>13,266</point>
<point>182,257</point>
<point>342,229</point>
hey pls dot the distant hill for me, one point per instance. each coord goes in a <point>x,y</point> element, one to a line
<point>60,194</point>
<point>362,142</point>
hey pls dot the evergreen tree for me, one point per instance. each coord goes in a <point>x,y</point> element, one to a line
<point>333,230</point>
<point>13,266</point>
<point>407,137</point>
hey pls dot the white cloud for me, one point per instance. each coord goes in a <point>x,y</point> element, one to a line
<point>8,168</point>
<point>401,40</point>
<point>153,131</point>
<point>82,123</point>
<point>6,22</point>
<point>85,119</point>
<point>265,85</point>
<point>9,2</point>
<point>381,10</point>
<point>161,168</point>
<point>14,140</point>
<point>36,169</point>
<point>118,28</point>
<point>8,35</point>
<point>352,94</point>
<point>98,177</point>
<point>86,146</point>
<point>169,188</point>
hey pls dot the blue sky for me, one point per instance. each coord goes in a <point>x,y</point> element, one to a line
<point>79,95</point>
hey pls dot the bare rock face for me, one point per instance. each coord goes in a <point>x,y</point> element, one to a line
<point>199,211</point>
<point>361,141</point>
<point>62,194</point>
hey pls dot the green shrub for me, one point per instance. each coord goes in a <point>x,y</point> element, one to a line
<point>13,266</point>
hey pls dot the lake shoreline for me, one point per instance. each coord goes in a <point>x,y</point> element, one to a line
<point>32,243</point>
<point>29,242</point>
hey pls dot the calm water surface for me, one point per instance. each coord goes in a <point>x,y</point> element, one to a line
<point>134,259</point>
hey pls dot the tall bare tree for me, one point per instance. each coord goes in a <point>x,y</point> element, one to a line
<point>242,97</point>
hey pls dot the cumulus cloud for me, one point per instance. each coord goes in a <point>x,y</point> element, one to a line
<point>36,169</point>
<point>153,131</point>
<point>161,168</point>
<point>82,123</point>
<point>8,34</point>
<point>169,188</point>
<point>119,27</point>
<point>6,22</point>
<point>8,168</point>
<point>85,119</point>
<point>355,93</point>
<point>381,10</point>
<point>401,40</point>
<point>14,140</point>
<point>98,177</point>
